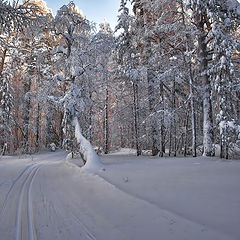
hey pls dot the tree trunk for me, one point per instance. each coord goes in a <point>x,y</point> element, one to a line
<point>162,132</point>
<point>60,131</point>
<point>186,134</point>
<point>189,63</point>
<point>37,142</point>
<point>174,126</point>
<point>152,103</point>
<point>170,141</point>
<point>208,149</point>
<point>136,117</point>
<point>193,117</point>
<point>106,123</point>
<point>86,150</point>
<point>4,55</point>
<point>90,121</point>
<point>49,126</point>
<point>3,60</point>
<point>27,105</point>
<point>152,100</point>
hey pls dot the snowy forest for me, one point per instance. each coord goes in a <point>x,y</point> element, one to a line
<point>165,81</point>
<point>130,133</point>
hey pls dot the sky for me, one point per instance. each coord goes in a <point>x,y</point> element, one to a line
<point>94,10</point>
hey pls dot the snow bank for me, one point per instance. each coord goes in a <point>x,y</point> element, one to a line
<point>124,151</point>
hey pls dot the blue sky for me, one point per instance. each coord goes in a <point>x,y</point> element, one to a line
<point>94,10</point>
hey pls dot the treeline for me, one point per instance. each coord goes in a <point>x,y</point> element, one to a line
<point>166,81</point>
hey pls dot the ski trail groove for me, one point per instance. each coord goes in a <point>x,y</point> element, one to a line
<point>31,229</point>
<point>89,235</point>
<point>12,186</point>
<point>26,192</point>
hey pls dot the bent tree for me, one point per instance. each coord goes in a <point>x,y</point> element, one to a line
<point>74,29</point>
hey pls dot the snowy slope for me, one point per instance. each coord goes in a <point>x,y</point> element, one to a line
<point>45,197</point>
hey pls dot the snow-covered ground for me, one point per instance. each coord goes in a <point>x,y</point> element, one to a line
<point>44,197</point>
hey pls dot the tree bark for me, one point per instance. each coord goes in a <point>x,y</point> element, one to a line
<point>186,134</point>
<point>162,132</point>
<point>174,126</point>
<point>37,142</point>
<point>208,149</point>
<point>106,123</point>
<point>153,122</point>
<point>3,60</point>
<point>193,115</point>
<point>27,105</point>
<point>136,117</point>
<point>189,63</point>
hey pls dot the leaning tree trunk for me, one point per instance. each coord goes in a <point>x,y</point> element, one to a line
<point>86,150</point>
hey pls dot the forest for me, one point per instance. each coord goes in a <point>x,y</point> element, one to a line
<point>165,81</point>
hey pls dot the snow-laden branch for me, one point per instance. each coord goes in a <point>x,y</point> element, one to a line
<point>85,148</point>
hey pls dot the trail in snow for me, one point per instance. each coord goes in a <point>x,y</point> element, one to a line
<point>18,200</point>
<point>16,210</point>
<point>25,193</point>
<point>2,209</point>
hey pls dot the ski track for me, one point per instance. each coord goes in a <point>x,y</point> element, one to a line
<point>23,182</point>
<point>87,232</point>
<point>26,191</point>
<point>15,181</point>
<point>19,198</point>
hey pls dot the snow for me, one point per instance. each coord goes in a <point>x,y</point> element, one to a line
<point>223,125</point>
<point>85,148</point>
<point>78,71</point>
<point>45,197</point>
<point>233,5</point>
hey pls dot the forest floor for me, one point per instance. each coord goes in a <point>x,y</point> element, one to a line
<point>43,197</point>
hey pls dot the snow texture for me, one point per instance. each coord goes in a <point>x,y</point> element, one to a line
<point>43,197</point>
<point>234,5</point>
